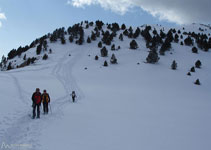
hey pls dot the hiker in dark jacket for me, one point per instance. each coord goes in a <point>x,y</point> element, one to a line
<point>36,102</point>
<point>73,96</point>
<point>45,101</point>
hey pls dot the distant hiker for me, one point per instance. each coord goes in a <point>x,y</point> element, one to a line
<point>73,96</point>
<point>36,99</point>
<point>45,101</point>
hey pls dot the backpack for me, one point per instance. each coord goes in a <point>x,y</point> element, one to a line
<point>37,98</point>
<point>45,98</point>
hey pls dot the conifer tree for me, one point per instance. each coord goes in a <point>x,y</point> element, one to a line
<point>113,59</point>
<point>174,65</point>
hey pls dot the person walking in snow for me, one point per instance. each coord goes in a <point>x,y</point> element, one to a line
<point>36,102</point>
<point>45,101</point>
<point>73,96</point>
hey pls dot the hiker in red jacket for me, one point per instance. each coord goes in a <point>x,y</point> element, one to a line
<point>36,99</point>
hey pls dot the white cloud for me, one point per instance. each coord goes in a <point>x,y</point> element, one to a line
<point>179,11</point>
<point>2,16</point>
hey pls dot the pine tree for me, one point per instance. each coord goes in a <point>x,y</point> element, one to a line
<point>63,41</point>
<point>113,59</point>
<point>113,47</point>
<point>105,63</point>
<point>189,74</point>
<point>121,37</point>
<point>88,40</point>
<point>24,58</point>
<point>174,65</point>
<point>104,52</point>
<point>93,36</point>
<point>194,50</point>
<point>133,44</point>
<point>152,57</point>
<point>198,64</point>
<point>28,61</point>
<point>123,27</point>
<point>9,67</point>
<point>39,48</point>
<point>96,57</point>
<point>188,41</point>
<point>197,82</point>
<point>192,69</point>
<point>100,44</point>
<point>45,57</point>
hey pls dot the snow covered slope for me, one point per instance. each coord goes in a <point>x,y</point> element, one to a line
<point>129,105</point>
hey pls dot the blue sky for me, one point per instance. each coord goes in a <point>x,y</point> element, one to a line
<point>27,20</point>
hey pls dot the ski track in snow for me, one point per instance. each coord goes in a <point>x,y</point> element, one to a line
<point>24,130</point>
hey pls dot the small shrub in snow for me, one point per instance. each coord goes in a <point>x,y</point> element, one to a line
<point>50,51</point>
<point>105,63</point>
<point>198,64</point>
<point>96,57</point>
<point>121,37</point>
<point>113,59</point>
<point>197,82</point>
<point>100,44</point>
<point>113,47</point>
<point>119,47</point>
<point>104,52</point>
<point>181,43</point>
<point>189,74</point>
<point>45,57</point>
<point>188,41</point>
<point>174,65</point>
<point>93,36</point>
<point>192,69</point>
<point>152,57</point>
<point>88,40</point>
<point>133,44</point>
<point>194,50</point>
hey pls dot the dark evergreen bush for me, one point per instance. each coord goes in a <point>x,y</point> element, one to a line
<point>88,40</point>
<point>113,47</point>
<point>197,82</point>
<point>96,57</point>
<point>189,74</point>
<point>104,52</point>
<point>113,59</point>
<point>198,64</point>
<point>45,57</point>
<point>39,48</point>
<point>121,37</point>
<point>194,50</point>
<point>100,44</point>
<point>105,64</point>
<point>133,44</point>
<point>192,69</point>
<point>152,57</point>
<point>174,65</point>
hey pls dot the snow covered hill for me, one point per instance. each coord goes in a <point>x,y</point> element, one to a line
<point>129,105</point>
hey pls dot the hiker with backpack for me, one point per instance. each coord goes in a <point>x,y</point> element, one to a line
<point>73,96</point>
<point>36,102</point>
<point>45,101</point>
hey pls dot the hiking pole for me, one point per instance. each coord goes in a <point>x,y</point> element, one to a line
<point>50,107</point>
